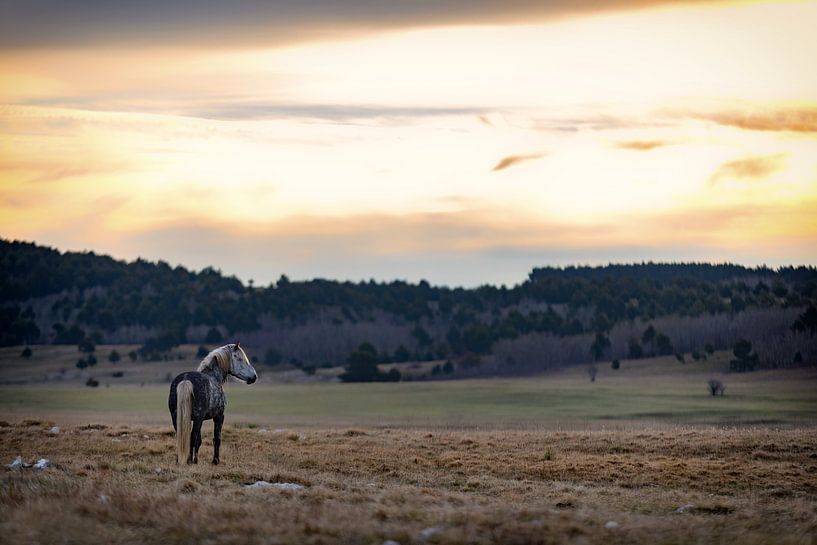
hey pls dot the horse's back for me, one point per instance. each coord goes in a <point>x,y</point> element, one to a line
<point>199,383</point>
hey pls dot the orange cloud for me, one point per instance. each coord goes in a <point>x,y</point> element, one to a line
<point>641,145</point>
<point>511,160</point>
<point>795,120</point>
<point>750,167</point>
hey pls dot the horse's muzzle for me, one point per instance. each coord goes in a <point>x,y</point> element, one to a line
<point>252,379</point>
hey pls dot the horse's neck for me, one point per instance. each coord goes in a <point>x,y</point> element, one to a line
<point>216,373</point>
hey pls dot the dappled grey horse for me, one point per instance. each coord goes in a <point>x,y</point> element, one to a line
<point>196,396</point>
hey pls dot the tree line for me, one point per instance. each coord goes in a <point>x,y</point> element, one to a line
<point>47,296</point>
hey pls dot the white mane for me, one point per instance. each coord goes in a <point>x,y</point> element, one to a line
<point>219,356</point>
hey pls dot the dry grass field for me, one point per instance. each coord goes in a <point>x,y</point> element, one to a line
<point>642,455</point>
<point>119,484</point>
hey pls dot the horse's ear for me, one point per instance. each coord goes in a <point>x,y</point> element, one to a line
<point>237,345</point>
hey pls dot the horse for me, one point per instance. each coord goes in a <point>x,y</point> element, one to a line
<point>197,396</point>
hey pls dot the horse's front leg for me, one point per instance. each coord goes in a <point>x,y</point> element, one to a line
<point>217,422</point>
<point>195,443</point>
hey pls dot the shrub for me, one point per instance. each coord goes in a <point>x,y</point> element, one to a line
<point>600,345</point>
<point>680,357</point>
<point>92,382</point>
<point>81,364</point>
<point>448,367</point>
<point>162,343</point>
<point>133,355</point>
<point>615,365</point>
<point>663,345</point>
<point>648,337</point>
<point>635,350</point>
<point>201,352</point>
<point>91,359</point>
<point>744,360</point>
<point>402,354</point>
<point>26,353</point>
<point>86,345</point>
<point>362,365</point>
<point>114,356</point>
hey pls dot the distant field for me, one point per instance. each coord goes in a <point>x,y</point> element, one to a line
<point>655,391</point>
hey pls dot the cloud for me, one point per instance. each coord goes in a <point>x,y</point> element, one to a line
<point>485,120</point>
<point>43,23</point>
<point>641,145</point>
<point>750,167</point>
<point>511,160</point>
<point>329,112</point>
<point>238,109</point>
<point>460,248</point>
<point>795,120</point>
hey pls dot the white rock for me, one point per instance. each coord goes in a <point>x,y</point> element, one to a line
<point>157,470</point>
<point>611,525</point>
<point>16,464</point>
<point>684,508</point>
<point>42,463</point>
<point>280,486</point>
<point>104,499</point>
<point>288,486</point>
<point>55,430</point>
<point>259,484</point>
<point>428,533</point>
<point>390,542</point>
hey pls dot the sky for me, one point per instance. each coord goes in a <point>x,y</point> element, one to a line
<point>461,142</point>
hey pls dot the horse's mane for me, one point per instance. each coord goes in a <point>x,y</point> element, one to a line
<point>219,356</point>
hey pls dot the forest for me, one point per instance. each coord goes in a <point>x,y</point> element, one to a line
<point>556,316</point>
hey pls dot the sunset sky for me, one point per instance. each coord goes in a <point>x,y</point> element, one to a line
<point>463,142</point>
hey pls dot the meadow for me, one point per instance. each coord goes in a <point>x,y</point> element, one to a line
<point>641,455</point>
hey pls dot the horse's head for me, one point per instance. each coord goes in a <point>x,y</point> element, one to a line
<point>240,366</point>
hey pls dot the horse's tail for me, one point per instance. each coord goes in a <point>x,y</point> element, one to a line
<point>184,420</point>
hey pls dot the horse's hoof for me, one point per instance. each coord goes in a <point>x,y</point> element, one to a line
<point>215,461</point>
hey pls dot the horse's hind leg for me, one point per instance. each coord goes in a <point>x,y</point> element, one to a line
<point>217,422</point>
<point>196,442</point>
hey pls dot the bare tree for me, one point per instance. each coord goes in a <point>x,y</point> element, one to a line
<point>716,387</point>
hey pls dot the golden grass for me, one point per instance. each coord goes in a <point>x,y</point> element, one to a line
<point>366,485</point>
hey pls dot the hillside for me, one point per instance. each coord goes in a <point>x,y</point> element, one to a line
<point>556,316</point>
